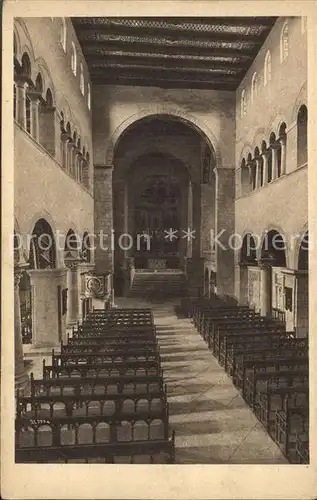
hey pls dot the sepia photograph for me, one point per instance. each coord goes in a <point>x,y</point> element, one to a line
<point>160,240</point>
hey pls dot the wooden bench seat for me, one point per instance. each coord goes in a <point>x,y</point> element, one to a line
<point>118,341</point>
<point>115,359</point>
<point>291,423</point>
<point>156,450</point>
<point>116,332</point>
<point>273,398</point>
<point>219,330</point>
<point>243,339</point>
<point>274,363</point>
<point>301,450</point>
<point>269,347</point>
<point>97,385</point>
<point>255,382</point>
<point>102,370</point>
<point>113,351</point>
<point>115,407</point>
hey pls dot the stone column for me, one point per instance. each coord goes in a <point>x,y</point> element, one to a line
<point>258,173</point>
<point>274,161</point>
<point>35,114</point>
<point>283,155</point>
<point>225,228</point>
<point>103,218</point>
<point>265,287</point>
<point>46,329</point>
<point>72,293</point>
<point>190,219</point>
<point>21,379</point>
<point>243,293</point>
<point>302,303</point>
<point>21,86</point>
<point>265,168</point>
<point>64,159</point>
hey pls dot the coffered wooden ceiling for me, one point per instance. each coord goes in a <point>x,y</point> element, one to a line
<point>206,53</point>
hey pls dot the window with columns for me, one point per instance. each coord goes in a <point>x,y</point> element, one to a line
<point>63,34</point>
<point>267,68</point>
<point>302,118</point>
<point>81,79</point>
<point>284,42</point>
<point>254,87</point>
<point>243,103</point>
<point>89,96</point>
<point>73,60</point>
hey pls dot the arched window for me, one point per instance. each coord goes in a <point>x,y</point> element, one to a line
<point>302,117</point>
<point>267,68</point>
<point>284,42</point>
<point>49,98</point>
<point>88,96</point>
<point>73,60</point>
<point>82,81</point>
<point>243,103</point>
<point>254,87</point>
<point>63,34</point>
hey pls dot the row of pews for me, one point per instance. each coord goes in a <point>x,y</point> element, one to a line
<point>102,399</point>
<point>268,365</point>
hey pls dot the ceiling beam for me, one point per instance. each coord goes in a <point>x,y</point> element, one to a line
<point>93,47</point>
<point>150,37</point>
<point>167,84</point>
<point>130,60</point>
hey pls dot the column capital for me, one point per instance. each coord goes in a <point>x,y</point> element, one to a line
<point>100,166</point>
<point>18,273</point>
<point>264,263</point>
<point>35,96</point>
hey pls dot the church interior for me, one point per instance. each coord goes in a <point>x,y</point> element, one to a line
<point>161,240</point>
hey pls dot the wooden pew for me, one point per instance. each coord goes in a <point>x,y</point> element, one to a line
<point>248,360</point>
<point>268,348</point>
<point>147,368</point>
<point>273,398</point>
<point>120,351</point>
<point>243,339</point>
<point>115,384</point>
<point>254,383</point>
<point>221,328</point>
<point>301,450</point>
<point>140,359</point>
<point>291,423</point>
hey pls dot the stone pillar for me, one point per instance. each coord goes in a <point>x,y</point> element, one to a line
<point>190,219</point>
<point>47,326</point>
<point>21,379</point>
<point>265,168</point>
<point>243,292</point>
<point>265,288</point>
<point>283,155</point>
<point>35,112</point>
<point>274,161</point>
<point>72,293</point>
<point>257,173</point>
<point>64,159</point>
<point>21,86</point>
<point>103,219</point>
<point>302,304</point>
<point>225,228</point>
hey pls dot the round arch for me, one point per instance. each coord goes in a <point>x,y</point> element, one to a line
<point>274,246</point>
<point>157,111</point>
<point>43,246</point>
<point>300,100</point>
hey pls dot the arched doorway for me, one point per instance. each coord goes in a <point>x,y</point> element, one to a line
<point>41,285</point>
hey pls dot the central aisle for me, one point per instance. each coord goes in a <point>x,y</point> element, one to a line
<point>213,424</point>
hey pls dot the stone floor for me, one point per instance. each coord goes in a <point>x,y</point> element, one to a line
<point>212,423</point>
